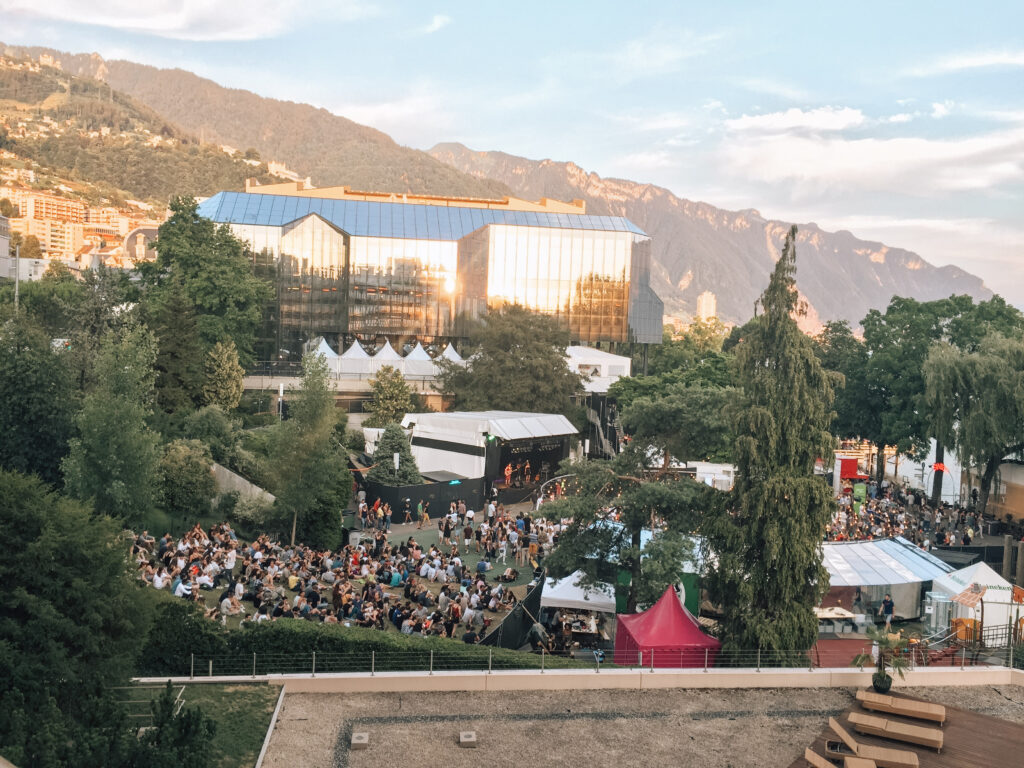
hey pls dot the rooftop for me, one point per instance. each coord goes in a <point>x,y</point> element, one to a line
<point>405,220</point>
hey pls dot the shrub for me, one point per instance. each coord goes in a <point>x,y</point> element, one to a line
<point>178,631</point>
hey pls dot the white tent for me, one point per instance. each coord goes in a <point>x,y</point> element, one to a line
<point>323,348</point>
<point>449,353</point>
<point>998,593</point>
<point>418,362</point>
<point>386,355</point>
<point>567,593</point>
<point>894,565</point>
<point>354,360</point>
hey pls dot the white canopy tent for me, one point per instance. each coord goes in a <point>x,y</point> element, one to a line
<point>999,608</point>
<point>323,348</point>
<point>418,362</point>
<point>893,565</point>
<point>386,355</point>
<point>567,593</point>
<point>354,360</point>
<point>599,369</point>
<point>449,353</point>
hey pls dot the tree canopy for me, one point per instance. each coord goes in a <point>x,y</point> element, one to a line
<point>595,545</point>
<point>71,624</point>
<point>766,537</point>
<point>311,478</point>
<point>392,441</point>
<point>216,274</point>
<point>223,385</point>
<point>35,401</point>
<point>392,398</point>
<point>975,399</point>
<point>517,363</point>
<point>113,459</point>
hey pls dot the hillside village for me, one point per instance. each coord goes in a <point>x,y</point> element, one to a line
<point>80,222</point>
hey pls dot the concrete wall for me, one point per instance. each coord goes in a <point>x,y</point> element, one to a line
<point>229,481</point>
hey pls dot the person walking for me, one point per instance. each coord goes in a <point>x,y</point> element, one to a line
<point>886,609</point>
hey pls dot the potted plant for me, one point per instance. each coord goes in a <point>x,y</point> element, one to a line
<point>891,650</point>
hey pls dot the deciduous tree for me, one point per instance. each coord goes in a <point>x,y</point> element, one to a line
<point>311,475</point>
<point>518,363</point>
<point>186,479</point>
<point>392,398</point>
<point>598,547</point>
<point>113,459</point>
<point>35,402</point>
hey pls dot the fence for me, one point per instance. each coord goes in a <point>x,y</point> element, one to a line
<point>258,665</point>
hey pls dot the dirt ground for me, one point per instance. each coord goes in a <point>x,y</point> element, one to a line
<point>720,728</point>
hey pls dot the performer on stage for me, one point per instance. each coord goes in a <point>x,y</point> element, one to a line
<point>508,475</point>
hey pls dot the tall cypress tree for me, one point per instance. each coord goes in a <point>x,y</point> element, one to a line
<point>767,541</point>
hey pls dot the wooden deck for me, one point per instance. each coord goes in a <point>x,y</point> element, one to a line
<point>971,741</point>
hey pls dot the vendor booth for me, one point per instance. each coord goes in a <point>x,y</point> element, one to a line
<point>665,635</point>
<point>861,572</point>
<point>978,599</point>
<point>578,616</point>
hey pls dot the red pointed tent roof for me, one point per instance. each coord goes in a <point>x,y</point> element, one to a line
<point>667,624</point>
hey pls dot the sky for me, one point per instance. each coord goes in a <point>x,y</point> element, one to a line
<point>901,122</point>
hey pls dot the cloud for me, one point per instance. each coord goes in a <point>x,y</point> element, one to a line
<point>662,51</point>
<point>439,22</point>
<point>902,117</point>
<point>916,166</point>
<point>771,87</point>
<point>967,61</point>
<point>941,109</point>
<point>820,119</point>
<point>196,20</point>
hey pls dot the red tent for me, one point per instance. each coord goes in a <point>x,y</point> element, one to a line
<point>667,636</point>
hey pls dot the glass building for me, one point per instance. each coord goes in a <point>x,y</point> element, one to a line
<point>350,265</point>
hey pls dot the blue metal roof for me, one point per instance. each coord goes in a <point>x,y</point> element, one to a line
<point>362,218</point>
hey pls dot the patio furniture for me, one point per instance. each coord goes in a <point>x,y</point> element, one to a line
<point>884,757</point>
<point>817,761</point>
<point>873,725</point>
<point>892,705</point>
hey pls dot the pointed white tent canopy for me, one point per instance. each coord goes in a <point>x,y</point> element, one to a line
<point>323,348</point>
<point>450,354</point>
<point>354,360</point>
<point>418,362</point>
<point>386,355</point>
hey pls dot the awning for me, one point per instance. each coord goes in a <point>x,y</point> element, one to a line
<point>882,562</point>
<point>567,593</point>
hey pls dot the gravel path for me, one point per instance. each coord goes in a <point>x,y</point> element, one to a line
<point>726,729</point>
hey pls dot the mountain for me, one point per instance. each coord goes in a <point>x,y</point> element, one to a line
<point>698,247</point>
<point>103,145</point>
<point>313,142</point>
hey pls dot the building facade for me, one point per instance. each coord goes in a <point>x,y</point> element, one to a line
<point>356,265</point>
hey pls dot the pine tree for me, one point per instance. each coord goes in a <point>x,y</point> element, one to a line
<point>223,386</point>
<point>767,538</point>
<point>392,441</point>
<point>179,353</point>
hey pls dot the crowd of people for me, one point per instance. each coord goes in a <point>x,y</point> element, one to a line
<point>888,511</point>
<point>381,580</point>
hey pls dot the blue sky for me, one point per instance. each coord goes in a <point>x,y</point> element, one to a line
<point>902,122</point>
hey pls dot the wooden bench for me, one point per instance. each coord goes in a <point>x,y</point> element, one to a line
<point>873,725</point>
<point>817,761</point>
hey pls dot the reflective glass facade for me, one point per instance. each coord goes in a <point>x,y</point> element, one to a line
<point>414,271</point>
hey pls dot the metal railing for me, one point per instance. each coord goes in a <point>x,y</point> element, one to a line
<point>373,662</point>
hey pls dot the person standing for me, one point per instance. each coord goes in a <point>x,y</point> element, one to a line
<point>886,609</point>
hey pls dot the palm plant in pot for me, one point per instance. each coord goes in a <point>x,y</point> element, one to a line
<point>891,656</point>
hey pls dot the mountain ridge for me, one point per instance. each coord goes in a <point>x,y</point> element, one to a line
<point>698,246</point>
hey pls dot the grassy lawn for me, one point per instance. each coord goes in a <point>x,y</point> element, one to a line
<point>242,713</point>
